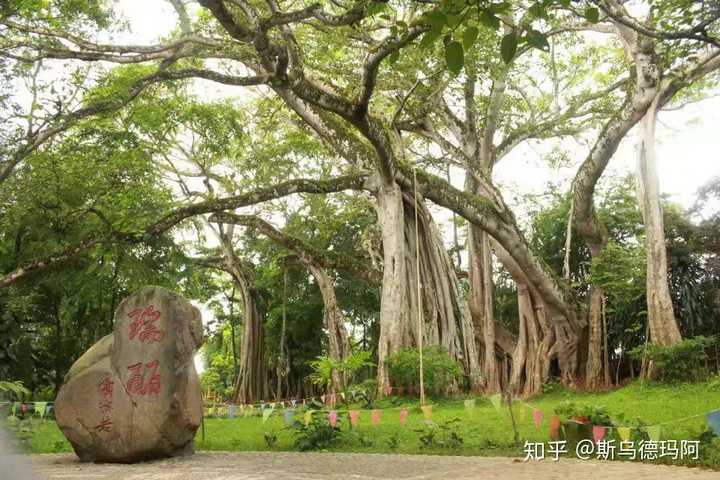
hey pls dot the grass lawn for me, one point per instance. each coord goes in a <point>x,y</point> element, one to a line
<point>483,430</point>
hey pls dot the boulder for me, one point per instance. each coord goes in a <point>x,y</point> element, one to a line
<point>135,395</point>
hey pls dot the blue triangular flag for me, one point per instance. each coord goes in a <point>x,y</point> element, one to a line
<point>713,421</point>
<point>288,415</point>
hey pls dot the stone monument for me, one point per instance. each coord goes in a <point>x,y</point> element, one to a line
<point>135,395</point>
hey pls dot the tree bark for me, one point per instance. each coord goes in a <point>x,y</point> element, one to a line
<point>664,330</point>
<point>338,346</point>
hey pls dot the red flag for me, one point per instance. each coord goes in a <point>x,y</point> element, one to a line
<point>598,433</point>
<point>555,427</point>
<point>403,415</point>
<point>375,417</point>
<point>537,418</point>
<point>332,417</point>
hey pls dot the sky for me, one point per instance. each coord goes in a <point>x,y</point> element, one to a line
<point>688,140</point>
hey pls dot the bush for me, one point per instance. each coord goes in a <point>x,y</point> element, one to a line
<point>316,435</point>
<point>440,371</point>
<point>682,361</point>
<point>592,414</point>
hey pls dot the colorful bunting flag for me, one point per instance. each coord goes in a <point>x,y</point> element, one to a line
<point>13,409</point>
<point>40,408</point>
<point>713,421</point>
<point>293,402</point>
<point>388,390</point>
<point>342,395</point>
<point>288,416</point>
<point>537,418</point>
<point>598,433</point>
<point>23,407</point>
<point>272,405</point>
<point>375,417</point>
<point>555,427</point>
<point>470,404</point>
<point>332,417</point>
<point>354,417</point>
<point>232,411</point>
<point>624,433</point>
<point>308,417</point>
<point>654,432</point>
<point>266,414</point>
<point>322,399</point>
<point>403,415</point>
<point>427,411</point>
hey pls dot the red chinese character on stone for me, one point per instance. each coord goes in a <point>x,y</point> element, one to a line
<point>152,387</point>
<point>106,407</point>
<point>104,425</point>
<point>143,325</point>
<point>135,382</point>
<point>106,387</point>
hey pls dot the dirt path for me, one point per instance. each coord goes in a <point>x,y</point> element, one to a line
<point>334,466</point>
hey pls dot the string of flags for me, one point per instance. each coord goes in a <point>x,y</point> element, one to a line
<point>266,410</point>
<point>599,432</point>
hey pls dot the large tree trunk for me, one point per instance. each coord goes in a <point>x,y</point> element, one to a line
<point>661,317</point>
<point>481,303</point>
<point>252,382</point>
<point>338,347</point>
<point>444,320</point>
<point>597,366</point>
<point>531,359</point>
<point>544,336</point>
<point>394,316</point>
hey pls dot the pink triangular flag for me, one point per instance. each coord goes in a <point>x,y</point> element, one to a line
<point>403,415</point>
<point>332,417</point>
<point>388,390</point>
<point>537,418</point>
<point>354,415</point>
<point>598,433</point>
<point>375,417</point>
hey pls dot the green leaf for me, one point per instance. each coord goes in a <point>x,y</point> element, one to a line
<point>469,36</point>
<point>436,19</point>
<point>508,46</point>
<point>454,57</point>
<point>537,10</point>
<point>429,38</point>
<point>538,40</point>
<point>394,57</point>
<point>489,19</point>
<point>592,14</point>
<point>500,7</point>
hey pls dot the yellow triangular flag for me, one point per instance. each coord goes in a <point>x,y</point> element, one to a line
<point>624,433</point>
<point>308,417</point>
<point>40,408</point>
<point>427,411</point>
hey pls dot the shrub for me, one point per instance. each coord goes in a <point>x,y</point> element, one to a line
<point>593,414</point>
<point>316,435</point>
<point>440,371</point>
<point>682,361</point>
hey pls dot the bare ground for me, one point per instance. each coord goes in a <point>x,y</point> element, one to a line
<point>336,466</point>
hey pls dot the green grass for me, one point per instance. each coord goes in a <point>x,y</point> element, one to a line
<point>484,430</point>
